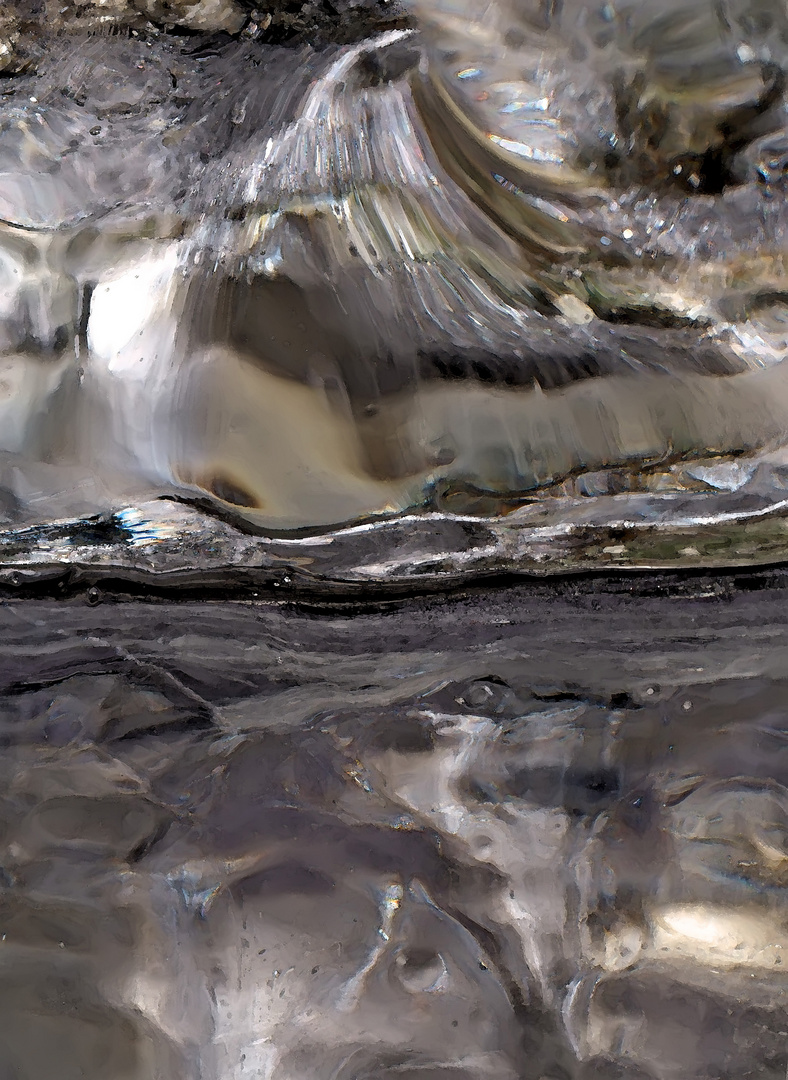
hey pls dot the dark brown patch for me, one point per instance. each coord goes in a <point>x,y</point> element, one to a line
<point>225,488</point>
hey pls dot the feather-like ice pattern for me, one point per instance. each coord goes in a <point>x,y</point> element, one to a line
<point>453,267</point>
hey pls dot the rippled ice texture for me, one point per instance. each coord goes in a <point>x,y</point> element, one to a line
<point>533,835</point>
<point>538,835</point>
<point>520,253</point>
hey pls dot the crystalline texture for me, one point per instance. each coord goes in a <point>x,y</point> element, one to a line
<point>332,305</point>
<point>314,287</point>
<point>469,839</point>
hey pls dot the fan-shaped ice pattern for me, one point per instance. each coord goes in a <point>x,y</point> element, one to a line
<point>305,286</point>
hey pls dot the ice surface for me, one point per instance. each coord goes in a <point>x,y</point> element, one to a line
<point>527,834</point>
<point>318,286</point>
<point>307,308</point>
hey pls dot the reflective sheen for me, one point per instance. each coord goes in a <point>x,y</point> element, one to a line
<point>522,835</point>
<point>306,308</point>
<point>530,259</point>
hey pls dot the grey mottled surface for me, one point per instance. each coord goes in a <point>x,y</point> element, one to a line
<point>528,833</point>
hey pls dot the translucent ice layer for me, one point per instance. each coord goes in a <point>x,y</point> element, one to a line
<point>482,265</point>
<point>535,833</point>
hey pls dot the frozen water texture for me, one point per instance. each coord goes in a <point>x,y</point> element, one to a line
<point>334,303</point>
<point>531,834</point>
<point>464,268</point>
